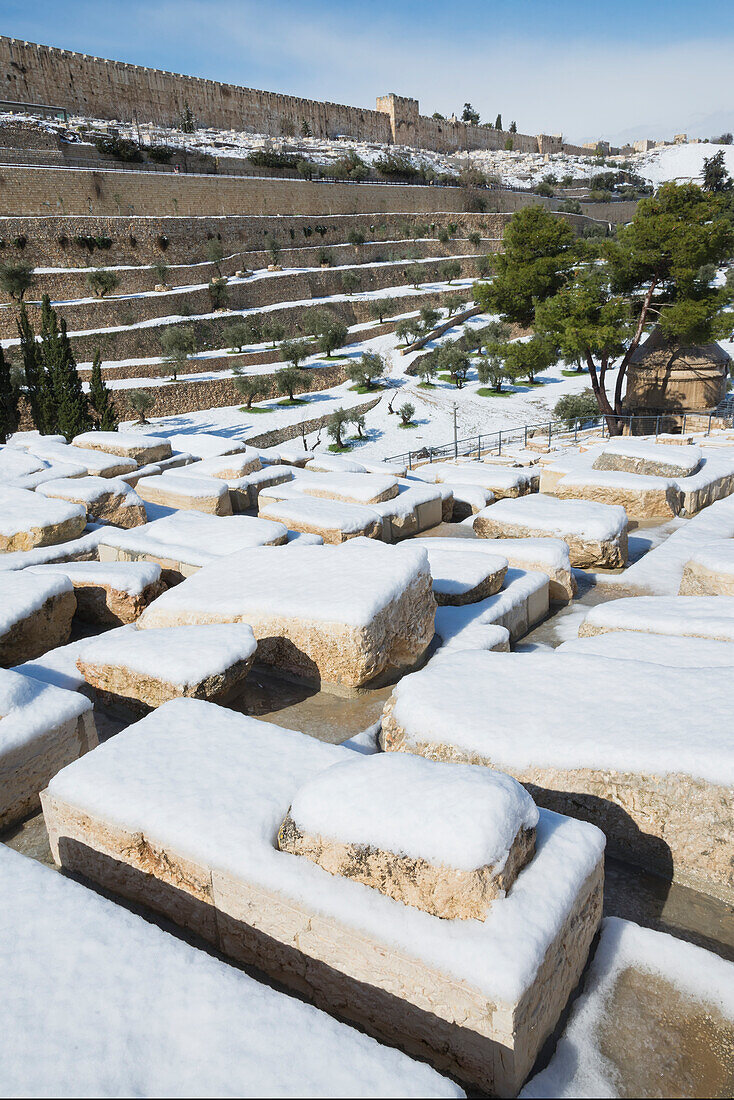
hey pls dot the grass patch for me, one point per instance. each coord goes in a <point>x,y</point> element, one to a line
<point>296,401</point>
<point>485,391</point>
<point>366,389</point>
<point>340,450</point>
<point>244,409</point>
<point>574,373</point>
<point>534,384</point>
<point>426,385</point>
<point>410,425</point>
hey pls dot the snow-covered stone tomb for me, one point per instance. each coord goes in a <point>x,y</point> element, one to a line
<point>197,493</point>
<point>710,570</point>
<point>142,449</point>
<point>106,499</point>
<point>42,729</point>
<point>185,541</point>
<point>596,533</point>
<point>640,456</point>
<point>159,1017</point>
<point>142,669</point>
<point>685,616</point>
<point>464,578</point>
<point>656,773</point>
<point>109,593</point>
<point>545,555</point>
<point>28,519</point>
<point>445,838</point>
<point>333,520</point>
<point>35,614</point>
<point>187,825</point>
<point>331,615</point>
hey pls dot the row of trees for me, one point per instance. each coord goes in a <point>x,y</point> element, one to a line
<point>49,381</point>
<point>592,301</point>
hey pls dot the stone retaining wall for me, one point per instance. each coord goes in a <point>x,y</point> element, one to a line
<point>284,286</point>
<point>52,241</point>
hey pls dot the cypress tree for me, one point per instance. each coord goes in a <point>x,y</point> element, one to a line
<point>51,360</point>
<point>8,401</point>
<point>498,122</point>
<point>72,416</point>
<point>99,399</point>
<point>33,370</point>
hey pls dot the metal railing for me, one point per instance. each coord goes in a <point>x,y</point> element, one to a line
<point>490,443</point>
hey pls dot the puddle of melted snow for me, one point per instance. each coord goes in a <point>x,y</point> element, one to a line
<point>664,1043</point>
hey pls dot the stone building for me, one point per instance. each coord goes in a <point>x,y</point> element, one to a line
<point>665,376</point>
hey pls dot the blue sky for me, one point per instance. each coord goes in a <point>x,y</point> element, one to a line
<point>618,69</point>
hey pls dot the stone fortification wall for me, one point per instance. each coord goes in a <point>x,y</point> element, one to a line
<point>100,88</point>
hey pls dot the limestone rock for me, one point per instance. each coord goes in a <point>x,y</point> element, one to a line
<point>141,448</point>
<point>710,570</point>
<point>640,456</point>
<point>331,615</point>
<point>42,729</point>
<point>377,820</point>
<point>641,497</point>
<point>28,519</point>
<point>596,533</point>
<point>142,669</point>
<point>109,594</point>
<point>35,615</point>
<point>464,578</point>
<point>185,492</point>
<point>334,521</point>
<point>107,499</point>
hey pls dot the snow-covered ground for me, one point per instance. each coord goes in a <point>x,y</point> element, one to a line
<point>434,407</point>
<point>681,162</point>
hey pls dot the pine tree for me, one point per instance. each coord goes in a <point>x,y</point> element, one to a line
<point>99,398</point>
<point>8,401</point>
<point>33,370</point>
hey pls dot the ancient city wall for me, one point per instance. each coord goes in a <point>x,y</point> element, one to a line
<point>100,88</point>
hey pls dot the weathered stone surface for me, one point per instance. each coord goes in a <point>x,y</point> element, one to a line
<point>596,533</point>
<point>136,445</point>
<point>654,814</point>
<point>542,555</point>
<point>187,493</point>
<point>644,457</point>
<point>332,520</point>
<point>110,594</point>
<point>441,891</point>
<point>317,935</point>
<point>245,491</point>
<point>226,467</point>
<point>336,616</point>
<point>185,541</point>
<point>35,615</point>
<point>106,499</point>
<point>680,616</point>
<point>143,669</point>
<point>641,497</point>
<point>464,578</point>
<point>42,729</point>
<point>710,571</point>
<point>28,519</point>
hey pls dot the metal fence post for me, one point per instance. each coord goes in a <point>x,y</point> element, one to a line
<point>479,448</point>
<point>709,427</point>
<point>499,449</point>
<point>575,431</point>
<point>526,435</point>
<point>550,431</point>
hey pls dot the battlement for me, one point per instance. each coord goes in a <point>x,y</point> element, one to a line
<point>98,87</point>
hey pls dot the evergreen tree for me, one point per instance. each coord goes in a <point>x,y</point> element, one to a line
<point>715,176</point>
<point>498,122</point>
<point>8,401</point>
<point>34,376</point>
<point>99,398</point>
<point>65,405</point>
<point>513,127</point>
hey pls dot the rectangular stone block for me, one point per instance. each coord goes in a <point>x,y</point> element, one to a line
<point>186,492</point>
<point>474,998</point>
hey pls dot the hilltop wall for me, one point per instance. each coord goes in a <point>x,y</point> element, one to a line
<point>99,88</point>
